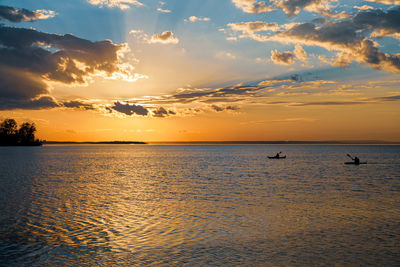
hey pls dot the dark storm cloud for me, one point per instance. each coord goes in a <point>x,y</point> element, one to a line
<point>130,109</point>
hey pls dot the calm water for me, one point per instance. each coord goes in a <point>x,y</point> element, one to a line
<point>199,205</point>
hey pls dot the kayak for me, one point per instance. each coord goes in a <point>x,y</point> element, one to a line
<point>353,163</point>
<point>284,157</point>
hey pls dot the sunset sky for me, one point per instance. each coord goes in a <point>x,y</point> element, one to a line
<point>202,70</point>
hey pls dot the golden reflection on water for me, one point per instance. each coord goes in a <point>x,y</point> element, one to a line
<point>202,205</point>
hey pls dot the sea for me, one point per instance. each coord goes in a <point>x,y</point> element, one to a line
<point>199,205</point>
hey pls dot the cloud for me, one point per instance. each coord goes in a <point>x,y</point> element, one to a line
<point>129,109</point>
<point>387,98</point>
<point>41,102</point>
<point>290,7</point>
<point>288,57</point>
<point>360,101</point>
<point>194,19</point>
<point>253,6</point>
<point>293,7</point>
<point>209,95</point>
<point>328,103</point>
<point>251,27</point>
<point>220,108</point>
<point>62,58</point>
<point>288,120</point>
<point>121,4</point>
<point>18,15</point>
<point>300,53</point>
<point>350,38</point>
<point>281,90</point>
<point>163,10</point>
<point>364,7</point>
<point>76,104</point>
<point>162,112</point>
<point>166,37</point>
<point>387,2</point>
<point>30,60</point>
<point>285,58</point>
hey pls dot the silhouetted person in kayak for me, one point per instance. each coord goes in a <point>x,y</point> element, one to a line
<point>355,159</point>
<point>277,155</point>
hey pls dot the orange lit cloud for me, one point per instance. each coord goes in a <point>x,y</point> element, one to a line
<point>166,37</point>
<point>387,2</point>
<point>253,6</point>
<point>194,19</point>
<point>285,58</point>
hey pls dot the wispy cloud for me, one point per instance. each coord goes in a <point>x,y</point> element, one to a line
<point>194,19</point>
<point>162,10</point>
<point>225,55</point>
<point>121,4</point>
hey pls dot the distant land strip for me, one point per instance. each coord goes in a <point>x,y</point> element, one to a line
<point>342,142</point>
<point>350,142</point>
<point>94,143</point>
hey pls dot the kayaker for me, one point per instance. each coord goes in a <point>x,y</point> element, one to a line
<point>356,160</point>
<point>277,155</point>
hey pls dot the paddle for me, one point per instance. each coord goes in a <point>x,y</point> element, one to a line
<point>350,156</point>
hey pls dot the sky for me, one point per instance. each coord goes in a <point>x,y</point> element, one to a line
<point>202,70</point>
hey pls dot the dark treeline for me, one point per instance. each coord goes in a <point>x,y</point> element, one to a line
<point>10,135</point>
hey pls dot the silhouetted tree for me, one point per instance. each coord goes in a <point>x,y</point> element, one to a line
<point>8,127</point>
<point>8,132</point>
<point>24,136</point>
<point>26,133</point>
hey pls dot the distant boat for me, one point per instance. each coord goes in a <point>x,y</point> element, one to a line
<point>275,157</point>
<point>353,163</point>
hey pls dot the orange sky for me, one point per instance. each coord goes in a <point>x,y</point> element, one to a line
<point>168,71</point>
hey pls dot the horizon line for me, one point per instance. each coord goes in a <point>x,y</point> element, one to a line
<point>238,142</point>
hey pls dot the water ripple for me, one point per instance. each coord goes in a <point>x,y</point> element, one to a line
<point>198,205</point>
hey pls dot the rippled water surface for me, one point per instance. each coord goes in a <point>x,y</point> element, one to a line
<point>199,205</point>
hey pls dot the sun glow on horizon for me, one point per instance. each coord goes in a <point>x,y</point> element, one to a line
<point>169,71</point>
